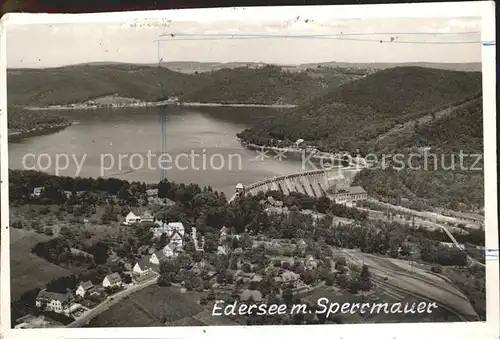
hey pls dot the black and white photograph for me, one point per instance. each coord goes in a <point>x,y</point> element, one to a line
<point>295,171</point>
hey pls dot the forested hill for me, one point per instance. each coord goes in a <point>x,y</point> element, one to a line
<point>268,85</point>
<point>79,83</point>
<point>349,116</point>
<point>450,184</point>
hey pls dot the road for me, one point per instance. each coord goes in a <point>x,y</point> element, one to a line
<point>110,301</point>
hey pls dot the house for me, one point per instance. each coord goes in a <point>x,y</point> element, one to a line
<point>197,245</point>
<point>132,219</point>
<point>274,203</point>
<point>170,251</point>
<point>52,301</point>
<point>301,244</point>
<point>257,278</point>
<point>310,262</point>
<point>239,190</point>
<point>147,217</point>
<point>157,257</point>
<point>251,295</point>
<point>152,193</point>
<point>37,192</point>
<point>68,194</point>
<point>288,277</point>
<point>223,234</point>
<point>112,280</point>
<point>168,228</point>
<point>85,288</point>
<point>166,252</point>
<point>222,250</point>
<point>348,194</point>
<point>175,227</point>
<point>143,266</point>
<point>176,240</point>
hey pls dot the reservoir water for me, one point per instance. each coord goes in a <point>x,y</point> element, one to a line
<point>126,143</point>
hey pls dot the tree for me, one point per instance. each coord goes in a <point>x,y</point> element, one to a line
<point>365,283</point>
<point>233,263</point>
<point>354,286</point>
<point>246,268</point>
<point>165,279</point>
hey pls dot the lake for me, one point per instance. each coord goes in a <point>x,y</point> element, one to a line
<point>126,143</point>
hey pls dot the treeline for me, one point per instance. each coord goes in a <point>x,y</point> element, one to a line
<point>21,121</point>
<point>266,85</point>
<point>89,190</point>
<point>59,251</point>
<point>80,83</point>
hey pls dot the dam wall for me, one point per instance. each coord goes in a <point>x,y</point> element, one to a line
<point>313,183</point>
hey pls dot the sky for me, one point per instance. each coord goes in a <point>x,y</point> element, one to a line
<point>41,46</point>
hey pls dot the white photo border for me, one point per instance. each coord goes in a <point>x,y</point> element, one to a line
<point>484,10</point>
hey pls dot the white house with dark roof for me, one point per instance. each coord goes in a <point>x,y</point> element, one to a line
<point>175,227</point>
<point>85,288</point>
<point>132,219</point>
<point>112,280</point>
<point>166,252</point>
<point>168,228</point>
<point>37,192</point>
<point>52,301</point>
<point>176,241</point>
<point>222,250</point>
<point>143,266</point>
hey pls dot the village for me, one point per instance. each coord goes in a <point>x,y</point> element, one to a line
<point>212,264</point>
<point>174,243</point>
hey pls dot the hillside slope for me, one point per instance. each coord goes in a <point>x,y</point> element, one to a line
<point>73,84</point>
<point>266,85</point>
<point>348,116</point>
<point>79,83</point>
<point>446,183</point>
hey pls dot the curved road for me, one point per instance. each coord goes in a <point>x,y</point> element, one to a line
<point>110,301</point>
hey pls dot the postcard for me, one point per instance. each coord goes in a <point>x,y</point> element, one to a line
<point>250,171</point>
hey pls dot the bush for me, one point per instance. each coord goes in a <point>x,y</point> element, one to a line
<point>17,224</point>
<point>437,269</point>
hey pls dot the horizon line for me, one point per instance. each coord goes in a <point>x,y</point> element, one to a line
<point>155,63</point>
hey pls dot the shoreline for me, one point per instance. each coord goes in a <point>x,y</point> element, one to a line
<point>311,154</point>
<point>44,129</point>
<point>157,104</point>
<point>202,104</point>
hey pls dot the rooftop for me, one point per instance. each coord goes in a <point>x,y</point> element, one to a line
<point>113,278</point>
<point>43,294</point>
<point>86,285</point>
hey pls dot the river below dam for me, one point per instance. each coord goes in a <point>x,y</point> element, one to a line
<point>126,143</point>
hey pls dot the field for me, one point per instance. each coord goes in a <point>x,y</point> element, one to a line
<point>152,306</point>
<point>29,271</point>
